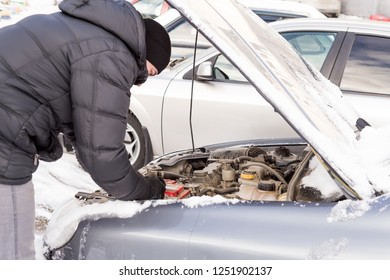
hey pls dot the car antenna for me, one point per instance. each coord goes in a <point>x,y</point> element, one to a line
<point>192,87</point>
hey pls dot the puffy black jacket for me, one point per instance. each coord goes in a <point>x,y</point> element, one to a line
<point>71,72</point>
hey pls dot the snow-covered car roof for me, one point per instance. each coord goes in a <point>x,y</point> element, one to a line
<point>312,105</point>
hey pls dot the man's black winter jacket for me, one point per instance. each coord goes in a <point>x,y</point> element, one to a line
<point>71,72</point>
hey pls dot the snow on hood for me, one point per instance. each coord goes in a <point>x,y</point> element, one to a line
<point>310,103</point>
<point>65,220</point>
<point>349,210</point>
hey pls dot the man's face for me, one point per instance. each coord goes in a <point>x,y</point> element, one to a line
<point>152,71</point>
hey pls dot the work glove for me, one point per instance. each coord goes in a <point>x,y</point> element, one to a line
<point>157,187</point>
<point>53,152</point>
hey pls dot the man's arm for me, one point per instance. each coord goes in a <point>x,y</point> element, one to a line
<point>100,95</point>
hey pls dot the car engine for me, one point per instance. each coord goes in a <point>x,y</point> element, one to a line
<point>242,172</point>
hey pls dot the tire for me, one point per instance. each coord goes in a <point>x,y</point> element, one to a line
<point>135,142</point>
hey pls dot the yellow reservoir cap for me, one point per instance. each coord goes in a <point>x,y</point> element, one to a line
<point>247,176</point>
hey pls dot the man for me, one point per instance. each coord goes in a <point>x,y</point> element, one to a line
<point>71,72</point>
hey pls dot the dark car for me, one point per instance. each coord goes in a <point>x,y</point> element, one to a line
<point>323,197</point>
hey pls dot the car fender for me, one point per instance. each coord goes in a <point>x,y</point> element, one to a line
<point>153,126</point>
<point>223,229</point>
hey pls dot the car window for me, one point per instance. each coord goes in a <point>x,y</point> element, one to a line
<point>367,66</point>
<point>224,70</point>
<point>313,46</point>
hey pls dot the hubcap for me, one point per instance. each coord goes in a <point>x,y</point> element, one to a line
<point>132,143</point>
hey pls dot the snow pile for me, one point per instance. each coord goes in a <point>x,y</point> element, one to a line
<point>320,179</point>
<point>375,156</point>
<point>197,201</point>
<point>348,210</point>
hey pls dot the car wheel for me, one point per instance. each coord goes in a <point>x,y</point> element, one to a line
<point>135,142</point>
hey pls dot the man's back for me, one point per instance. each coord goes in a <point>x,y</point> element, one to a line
<point>50,67</point>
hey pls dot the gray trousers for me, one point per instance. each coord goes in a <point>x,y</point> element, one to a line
<point>17,222</point>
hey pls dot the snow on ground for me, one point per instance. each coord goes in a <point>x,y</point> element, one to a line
<point>55,184</point>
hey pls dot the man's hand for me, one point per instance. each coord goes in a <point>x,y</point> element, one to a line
<point>157,187</point>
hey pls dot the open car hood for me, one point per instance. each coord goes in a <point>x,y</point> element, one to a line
<point>312,105</point>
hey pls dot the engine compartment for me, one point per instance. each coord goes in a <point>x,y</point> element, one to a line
<point>266,173</point>
<point>279,173</point>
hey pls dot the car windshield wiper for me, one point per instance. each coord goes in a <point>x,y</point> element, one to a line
<point>176,61</point>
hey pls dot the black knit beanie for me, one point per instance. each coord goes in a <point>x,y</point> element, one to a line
<point>158,44</point>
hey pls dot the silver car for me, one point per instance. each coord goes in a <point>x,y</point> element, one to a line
<point>322,197</point>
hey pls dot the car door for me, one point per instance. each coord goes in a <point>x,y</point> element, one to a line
<point>320,48</point>
<point>361,71</point>
<point>357,63</point>
<point>226,108</point>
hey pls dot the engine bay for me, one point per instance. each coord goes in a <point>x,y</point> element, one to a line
<point>261,173</point>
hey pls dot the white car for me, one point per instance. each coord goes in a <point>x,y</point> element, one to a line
<point>354,55</point>
<point>138,141</point>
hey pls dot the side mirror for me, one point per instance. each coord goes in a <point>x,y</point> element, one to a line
<point>205,71</point>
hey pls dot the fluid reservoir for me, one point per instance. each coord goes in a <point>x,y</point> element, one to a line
<point>251,188</point>
<point>228,173</point>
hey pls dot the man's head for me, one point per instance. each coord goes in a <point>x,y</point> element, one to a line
<point>158,45</point>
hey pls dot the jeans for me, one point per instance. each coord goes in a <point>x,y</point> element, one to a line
<point>17,222</point>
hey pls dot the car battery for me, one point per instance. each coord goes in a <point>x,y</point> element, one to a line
<point>175,190</point>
